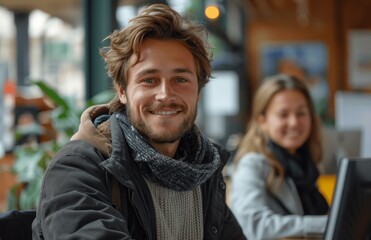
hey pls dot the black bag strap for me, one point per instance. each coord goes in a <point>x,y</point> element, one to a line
<point>116,194</point>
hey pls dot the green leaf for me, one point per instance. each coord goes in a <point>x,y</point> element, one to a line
<point>52,94</point>
<point>27,164</point>
<point>102,97</point>
<point>29,197</point>
<point>31,161</point>
<point>12,198</point>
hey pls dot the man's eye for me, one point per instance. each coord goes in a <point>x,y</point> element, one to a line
<point>181,79</point>
<point>149,80</point>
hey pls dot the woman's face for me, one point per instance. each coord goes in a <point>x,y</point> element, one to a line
<point>287,120</point>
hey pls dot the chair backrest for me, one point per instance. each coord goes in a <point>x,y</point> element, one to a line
<point>16,225</point>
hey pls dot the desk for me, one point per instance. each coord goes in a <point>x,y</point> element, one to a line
<point>302,238</point>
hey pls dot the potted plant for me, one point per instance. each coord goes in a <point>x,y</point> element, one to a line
<point>31,160</point>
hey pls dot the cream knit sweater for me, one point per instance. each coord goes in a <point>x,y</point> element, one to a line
<point>178,214</point>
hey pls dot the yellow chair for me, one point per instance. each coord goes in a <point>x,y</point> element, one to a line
<point>326,185</point>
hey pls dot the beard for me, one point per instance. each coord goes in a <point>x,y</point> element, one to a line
<point>147,131</point>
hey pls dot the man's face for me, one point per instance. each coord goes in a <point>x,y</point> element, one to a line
<point>162,93</point>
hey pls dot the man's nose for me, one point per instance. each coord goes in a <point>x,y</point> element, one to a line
<point>165,91</point>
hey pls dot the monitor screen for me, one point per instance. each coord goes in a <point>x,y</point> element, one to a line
<point>350,214</point>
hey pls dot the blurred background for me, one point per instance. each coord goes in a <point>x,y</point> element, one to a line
<point>50,70</point>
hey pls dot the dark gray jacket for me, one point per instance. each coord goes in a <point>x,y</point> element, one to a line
<point>76,203</point>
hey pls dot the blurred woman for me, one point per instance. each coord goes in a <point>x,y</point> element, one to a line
<point>274,192</point>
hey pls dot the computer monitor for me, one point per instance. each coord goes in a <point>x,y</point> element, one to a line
<point>350,213</point>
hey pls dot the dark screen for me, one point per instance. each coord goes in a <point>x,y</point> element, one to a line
<point>350,214</point>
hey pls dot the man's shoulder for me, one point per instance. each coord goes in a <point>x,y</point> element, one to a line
<point>79,149</point>
<point>75,157</point>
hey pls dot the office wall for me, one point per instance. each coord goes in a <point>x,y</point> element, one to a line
<point>327,22</point>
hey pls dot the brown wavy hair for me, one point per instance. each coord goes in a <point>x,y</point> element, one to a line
<point>157,21</point>
<point>255,139</point>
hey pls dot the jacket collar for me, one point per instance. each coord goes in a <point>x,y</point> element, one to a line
<point>88,132</point>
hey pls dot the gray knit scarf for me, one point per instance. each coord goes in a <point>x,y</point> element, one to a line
<point>196,158</point>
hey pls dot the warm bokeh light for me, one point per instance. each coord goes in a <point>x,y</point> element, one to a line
<point>212,12</point>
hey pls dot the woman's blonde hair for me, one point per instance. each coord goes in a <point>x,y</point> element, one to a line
<point>255,139</point>
<point>157,21</point>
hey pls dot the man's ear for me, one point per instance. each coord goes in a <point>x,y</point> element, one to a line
<point>122,95</point>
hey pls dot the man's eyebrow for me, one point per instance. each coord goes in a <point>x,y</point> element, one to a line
<point>154,70</point>
<point>147,71</point>
<point>183,70</point>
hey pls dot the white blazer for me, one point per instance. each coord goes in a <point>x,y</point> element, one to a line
<point>260,214</point>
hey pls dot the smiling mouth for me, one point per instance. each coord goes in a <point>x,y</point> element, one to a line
<point>293,134</point>
<point>164,113</point>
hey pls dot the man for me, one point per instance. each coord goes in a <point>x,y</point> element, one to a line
<point>169,174</point>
